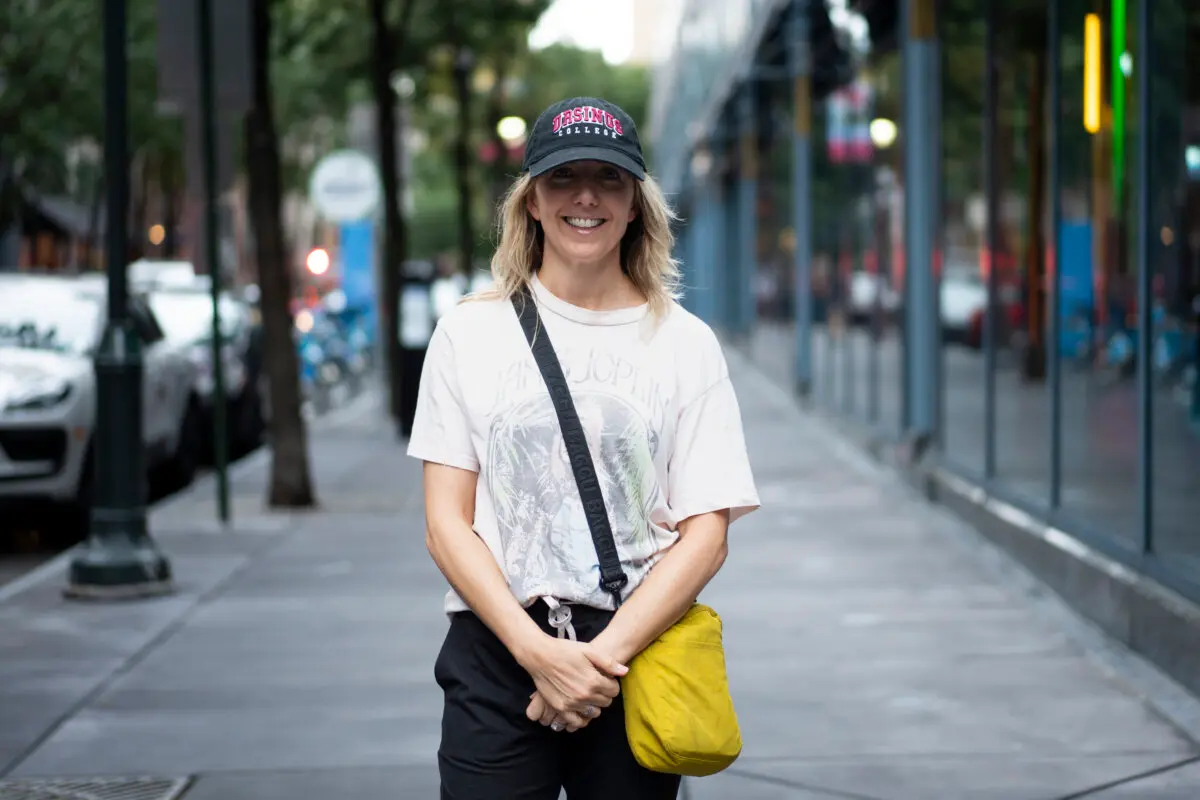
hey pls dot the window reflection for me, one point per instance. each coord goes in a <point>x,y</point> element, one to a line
<point>1098,299</point>
<point>962,295</point>
<point>1022,161</point>
<point>1174,228</point>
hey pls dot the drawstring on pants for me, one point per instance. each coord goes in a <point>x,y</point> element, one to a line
<point>560,619</point>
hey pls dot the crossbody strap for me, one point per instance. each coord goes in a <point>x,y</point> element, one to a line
<point>612,577</point>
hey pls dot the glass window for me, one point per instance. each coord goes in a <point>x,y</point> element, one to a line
<point>187,316</point>
<point>49,315</point>
<point>961,295</point>
<point>1022,137</point>
<point>1174,237</point>
<point>774,340</point>
<point>1098,270</point>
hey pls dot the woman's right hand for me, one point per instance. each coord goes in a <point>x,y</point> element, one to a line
<point>574,678</point>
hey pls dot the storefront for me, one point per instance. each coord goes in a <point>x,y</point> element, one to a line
<point>976,231</point>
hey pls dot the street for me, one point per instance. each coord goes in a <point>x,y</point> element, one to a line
<point>877,648</point>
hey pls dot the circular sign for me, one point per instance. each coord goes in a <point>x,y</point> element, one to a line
<point>345,186</point>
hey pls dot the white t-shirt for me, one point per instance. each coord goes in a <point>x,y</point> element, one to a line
<point>658,410</point>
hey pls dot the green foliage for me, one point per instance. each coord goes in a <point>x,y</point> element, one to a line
<point>528,82</point>
<point>319,60</point>
<point>558,72</point>
<point>52,74</point>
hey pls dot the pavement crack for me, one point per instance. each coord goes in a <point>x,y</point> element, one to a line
<point>1150,773</point>
<point>801,786</point>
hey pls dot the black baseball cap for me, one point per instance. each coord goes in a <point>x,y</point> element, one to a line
<point>584,129</point>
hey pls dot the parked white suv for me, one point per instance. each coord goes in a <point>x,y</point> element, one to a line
<point>50,327</point>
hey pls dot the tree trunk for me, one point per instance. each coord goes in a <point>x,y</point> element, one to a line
<point>291,484</point>
<point>462,159</point>
<point>394,233</point>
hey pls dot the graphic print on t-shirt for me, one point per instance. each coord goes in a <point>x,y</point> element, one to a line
<point>543,531</point>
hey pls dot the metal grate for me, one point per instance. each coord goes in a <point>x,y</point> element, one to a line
<point>93,788</point>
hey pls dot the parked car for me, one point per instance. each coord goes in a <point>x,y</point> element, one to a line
<point>50,330</point>
<point>186,316</point>
<point>868,290</point>
<point>963,297</point>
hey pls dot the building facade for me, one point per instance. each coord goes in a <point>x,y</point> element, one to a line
<point>968,231</point>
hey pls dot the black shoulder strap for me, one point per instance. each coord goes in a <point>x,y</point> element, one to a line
<point>612,577</point>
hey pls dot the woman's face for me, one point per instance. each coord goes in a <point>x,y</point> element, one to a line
<point>585,208</point>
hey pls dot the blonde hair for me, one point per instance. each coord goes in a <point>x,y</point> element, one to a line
<point>645,249</point>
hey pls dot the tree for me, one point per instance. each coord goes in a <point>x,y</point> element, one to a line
<point>391,29</point>
<point>291,482</point>
<point>51,106</point>
<point>480,32</point>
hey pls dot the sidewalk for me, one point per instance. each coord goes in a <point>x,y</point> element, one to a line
<point>877,649</point>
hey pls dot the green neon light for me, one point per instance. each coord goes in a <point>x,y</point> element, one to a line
<point>1118,104</point>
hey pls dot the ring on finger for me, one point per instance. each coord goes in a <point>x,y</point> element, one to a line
<point>556,726</point>
<point>591,711</point>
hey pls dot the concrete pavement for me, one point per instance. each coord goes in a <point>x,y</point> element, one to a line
<point>877,648</point>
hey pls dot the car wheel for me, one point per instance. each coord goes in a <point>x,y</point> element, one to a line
<point>181,469</point>
<point>73,521</point>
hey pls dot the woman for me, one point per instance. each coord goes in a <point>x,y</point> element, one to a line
<point>530,667</point>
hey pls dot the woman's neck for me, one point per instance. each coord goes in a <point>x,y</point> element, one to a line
<point>599,287</point>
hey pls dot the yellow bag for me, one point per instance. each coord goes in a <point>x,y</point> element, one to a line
<point>679,715</point>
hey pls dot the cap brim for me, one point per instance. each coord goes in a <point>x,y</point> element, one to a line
<point>590,153</point>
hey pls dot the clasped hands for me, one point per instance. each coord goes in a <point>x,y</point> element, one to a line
<point>574,680</point>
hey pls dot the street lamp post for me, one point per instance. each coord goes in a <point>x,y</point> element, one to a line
<point>119,559</point>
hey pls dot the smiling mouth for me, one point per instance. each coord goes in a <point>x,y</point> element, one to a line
<point>583,223</point>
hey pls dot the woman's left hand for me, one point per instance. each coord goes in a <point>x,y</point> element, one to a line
<point>541,711</point>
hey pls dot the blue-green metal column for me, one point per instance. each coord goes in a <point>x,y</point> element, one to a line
<point>726,274</point>
<point>921,121</point>
<point>747,262</point>
<point>685,252</point>
<point>705,249</point>
<point>799,62</point>
<point>1054,299</point>
<point>720,231</point>
<point>992,195</point>
<point>1145,264</point>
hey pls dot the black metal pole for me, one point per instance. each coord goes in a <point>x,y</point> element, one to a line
<point>119,559</point>
<point>208,134</point>
<point>1145,258</point>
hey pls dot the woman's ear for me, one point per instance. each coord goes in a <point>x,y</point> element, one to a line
<point>532,207</point>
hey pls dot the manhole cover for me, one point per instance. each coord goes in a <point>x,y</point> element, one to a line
<point>93,789</point>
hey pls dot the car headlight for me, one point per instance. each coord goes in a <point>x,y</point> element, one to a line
<point>39,395</point>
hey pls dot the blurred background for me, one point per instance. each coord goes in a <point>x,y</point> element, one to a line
<point>968,228</point>
<point>951,249</point>
<point>964,231</point>
<point>452,89</point>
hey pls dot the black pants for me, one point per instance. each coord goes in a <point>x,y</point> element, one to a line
<point>491,751</point>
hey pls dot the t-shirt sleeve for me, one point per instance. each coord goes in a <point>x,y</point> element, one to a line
<point>710,468</point>
<point>441,428</point>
